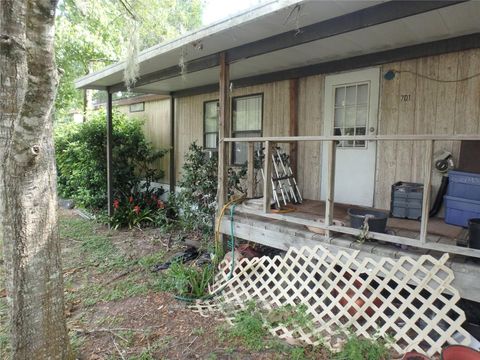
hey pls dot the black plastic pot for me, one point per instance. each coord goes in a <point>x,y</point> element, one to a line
<point>377,220</point>
<point>474,233</point>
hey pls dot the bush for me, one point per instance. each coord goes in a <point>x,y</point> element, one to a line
<point>82,161</point>
<point>197,199</point>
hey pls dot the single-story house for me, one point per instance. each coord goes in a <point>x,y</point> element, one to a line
<point>361,94</point>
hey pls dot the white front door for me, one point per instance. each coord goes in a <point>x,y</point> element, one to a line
<point>351,108</point>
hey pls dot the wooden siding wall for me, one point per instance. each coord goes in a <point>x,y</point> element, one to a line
<point>156,126</point>
<point>432,107</point>
<point>189,115</point>
<point>310,122</point>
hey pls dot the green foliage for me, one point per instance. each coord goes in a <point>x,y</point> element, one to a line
<point>357,348</point>
<point>249,327</point>
<point>187,281</point>
<point>81,159</point>
<point>137,207</point>
<point>197,199</point>
<point>92,34</point>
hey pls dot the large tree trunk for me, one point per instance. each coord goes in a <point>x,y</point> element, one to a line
<point>28,227</point>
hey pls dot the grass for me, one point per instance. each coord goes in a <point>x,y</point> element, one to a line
<point>357,348</point>
<point>101,262</point>
<point>97,248</point>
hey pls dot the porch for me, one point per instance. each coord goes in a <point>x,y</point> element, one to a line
<point>327,223</point>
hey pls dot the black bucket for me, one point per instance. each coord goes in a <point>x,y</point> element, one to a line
<point>377,221</point>
<point>474,233</point>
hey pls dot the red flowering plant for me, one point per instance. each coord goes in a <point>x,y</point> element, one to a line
<point>138,207</point>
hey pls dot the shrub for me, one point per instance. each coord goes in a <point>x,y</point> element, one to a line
<point>81,158</point>
<point>197,199</point>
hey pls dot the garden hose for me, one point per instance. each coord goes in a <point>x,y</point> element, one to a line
<point>284,210</point>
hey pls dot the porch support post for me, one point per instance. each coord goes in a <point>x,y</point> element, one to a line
<point>109,154</point>
<point>223,132</point>
<point>293,131</point>
<point>330,193</point>
<point>251,170</point>
<point>172,145</point>
<point>427,183</point>
<point>267,181</point>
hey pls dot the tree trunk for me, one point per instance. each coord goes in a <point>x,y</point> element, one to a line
<point>28,228</point>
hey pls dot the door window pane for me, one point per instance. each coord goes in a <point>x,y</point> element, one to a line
<point>340,96</point>
<point>351,113</point>
<point>351,96</point>
<point>362,94</point>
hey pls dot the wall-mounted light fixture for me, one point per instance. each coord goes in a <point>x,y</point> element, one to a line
<point>389,75</point>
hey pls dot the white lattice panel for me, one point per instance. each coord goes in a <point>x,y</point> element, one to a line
<point>403,298</point>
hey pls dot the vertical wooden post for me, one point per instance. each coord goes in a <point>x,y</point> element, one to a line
<point>330,193</point>
<point>293,131</point>
<point>223,132</point>
<point>172,145</point>
<point>267,170</point>
<point>427,183</point>
<point>251,170</point>
<point>109,154</point>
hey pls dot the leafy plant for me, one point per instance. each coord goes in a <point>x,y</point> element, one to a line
<point>197,199</point>
<point>81,158</point>
<point>188,281</point>
<point>138,207</point>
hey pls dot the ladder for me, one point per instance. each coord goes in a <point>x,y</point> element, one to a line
<point>284,186</point>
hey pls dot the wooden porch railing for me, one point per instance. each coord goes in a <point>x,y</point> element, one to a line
<point>327,224</point>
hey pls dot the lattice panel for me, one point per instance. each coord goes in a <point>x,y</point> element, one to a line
<point>403,298</point>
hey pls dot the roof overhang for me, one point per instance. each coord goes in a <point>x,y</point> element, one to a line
<point>281,36</point>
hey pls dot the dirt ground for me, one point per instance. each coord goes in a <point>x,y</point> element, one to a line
<point>115,309</point>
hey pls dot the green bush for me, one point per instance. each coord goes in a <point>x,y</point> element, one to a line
<point>81,158</point>
<point>196,202</point>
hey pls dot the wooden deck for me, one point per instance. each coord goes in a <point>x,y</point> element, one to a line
<point>295,229</point>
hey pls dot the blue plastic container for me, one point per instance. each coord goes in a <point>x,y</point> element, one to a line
<point>458,210</point>
<point>464,185</point>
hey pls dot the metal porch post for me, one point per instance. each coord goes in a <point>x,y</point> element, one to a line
<point>172,145</point>
<point>109,154</point>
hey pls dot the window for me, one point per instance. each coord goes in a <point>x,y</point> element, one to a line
<point>210,125</point>
<point>247,112</point>
<point>137,107</point>
<point>351,113</point>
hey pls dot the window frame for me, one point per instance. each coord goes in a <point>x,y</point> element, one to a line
<point>132,106</point>
<point>232,132</point>
<point>205,133</point>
